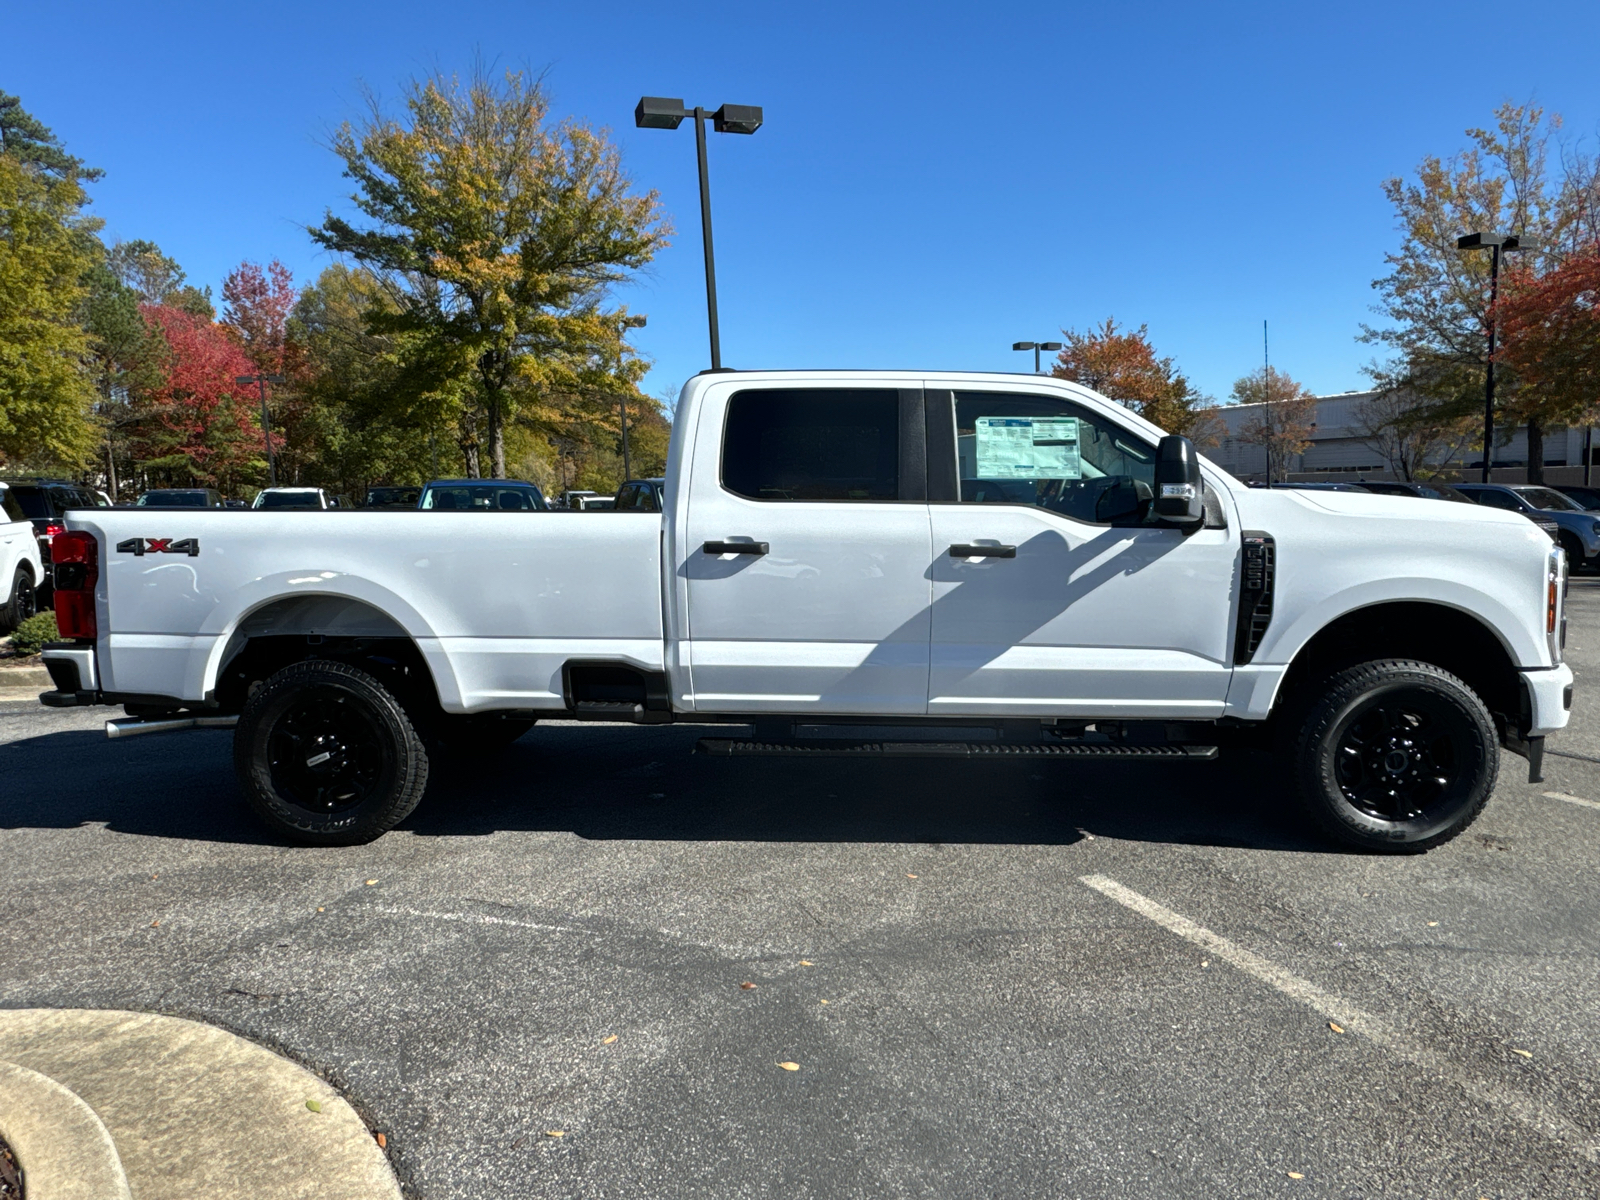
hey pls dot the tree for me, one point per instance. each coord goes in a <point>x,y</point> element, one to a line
<point>1282,424</point>
<point>127,358</point>
<point>500,238</point>
<point>194,427</point>
<point>258,304</point>
<point>1408,431</point>
<point>45,252</point>
<point>1123,366</point>
<point>1436,296</point>
<point>157,279</point>
<point>1550,337</point>
<point>24,139</point>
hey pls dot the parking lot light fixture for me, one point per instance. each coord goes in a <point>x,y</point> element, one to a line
<point>1036,347</point>
<point>665,112</point>
<point>1495,243</point>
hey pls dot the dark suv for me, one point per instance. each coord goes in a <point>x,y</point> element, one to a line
<point>392,497</point>
<point>1579,533</point>
<point>46,501</point>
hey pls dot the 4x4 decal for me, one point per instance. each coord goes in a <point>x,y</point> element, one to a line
<point>142,546</point>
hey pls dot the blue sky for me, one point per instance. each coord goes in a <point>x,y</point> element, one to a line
<point>934,181</point>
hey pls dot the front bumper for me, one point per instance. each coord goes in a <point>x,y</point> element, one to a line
<point>1549,696</point>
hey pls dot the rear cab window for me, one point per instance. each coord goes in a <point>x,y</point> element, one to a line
<point>814,445</point>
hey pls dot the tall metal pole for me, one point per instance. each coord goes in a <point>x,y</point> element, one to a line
<point>1488,379</point>
<point>1036,370</point>
<point>627,471</point>
<point>1266,397</point>
<point>1588,452</point>
<point>266,432</point>
<point>700,116</point>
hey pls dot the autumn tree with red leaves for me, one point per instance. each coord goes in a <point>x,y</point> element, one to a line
<point>256,307</point>
<point>1550,336</point>
<point>196,427</point>
<point>1123,366</point>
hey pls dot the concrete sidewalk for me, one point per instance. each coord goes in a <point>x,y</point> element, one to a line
<point>193,1113</point>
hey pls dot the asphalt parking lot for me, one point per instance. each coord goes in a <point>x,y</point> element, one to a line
<point>995,980</point>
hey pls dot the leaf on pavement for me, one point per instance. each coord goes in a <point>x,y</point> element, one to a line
<point>155,924</point>
<point>555,1133</point>
<point>790,1066</point>
<point>823,1001</point>
<point>1431,924</point>
<point>383,1142</point>
<point>1335,1026</point>
<point>805,962</point>
<point>1296,1175</point>
<point>747,985</point>
<point>606,1041</point>
<point>1524,1053</point>
<point>313,1106</point>
<point>372,883</point>
<point>909,875</point>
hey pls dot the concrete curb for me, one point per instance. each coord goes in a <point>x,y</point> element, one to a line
<point>197,1113</point>
<point>61,1145</point>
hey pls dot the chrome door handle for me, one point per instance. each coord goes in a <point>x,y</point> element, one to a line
<point>735,547</point>
<point>964,551</point>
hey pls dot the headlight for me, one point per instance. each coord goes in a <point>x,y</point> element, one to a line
<point>1555,618</point>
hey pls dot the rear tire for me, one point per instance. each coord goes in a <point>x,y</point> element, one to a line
<point>23,602</point>
<point>1396,756</point>
<point>327,756</point>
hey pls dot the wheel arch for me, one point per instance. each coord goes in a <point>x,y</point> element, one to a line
<point>1429,631</point>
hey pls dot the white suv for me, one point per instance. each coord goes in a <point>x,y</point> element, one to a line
<point>21,569</point>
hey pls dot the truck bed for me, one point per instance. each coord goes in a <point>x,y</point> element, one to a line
<point>497,602</point>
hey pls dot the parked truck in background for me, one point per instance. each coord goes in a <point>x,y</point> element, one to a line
<point>984,566</point>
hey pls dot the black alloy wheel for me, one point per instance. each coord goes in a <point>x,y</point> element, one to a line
<point>1395,755</point>
<point>327,756</point>
<point>22,604</point>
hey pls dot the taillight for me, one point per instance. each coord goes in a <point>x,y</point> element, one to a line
<point>52,529</point>
<point>76,560</point>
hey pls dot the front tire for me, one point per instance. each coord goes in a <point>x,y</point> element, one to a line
<point>1396,756</point>
<point>327,756</point>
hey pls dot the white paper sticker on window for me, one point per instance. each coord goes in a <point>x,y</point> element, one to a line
<point>1027,448</point>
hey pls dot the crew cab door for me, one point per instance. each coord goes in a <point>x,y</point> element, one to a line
<point>804,553</point>
<point>1083,606</point>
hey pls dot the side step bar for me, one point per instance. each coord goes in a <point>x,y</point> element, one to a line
<point>123,727</point>
<point>730,748</point>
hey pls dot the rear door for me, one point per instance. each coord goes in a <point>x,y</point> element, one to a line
<point>806,548</point>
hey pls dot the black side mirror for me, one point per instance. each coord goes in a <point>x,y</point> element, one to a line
<point>1178,499</point>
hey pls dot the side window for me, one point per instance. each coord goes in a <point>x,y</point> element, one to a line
<point>13,510</point>
<point>1497,500</point>
<point>1053,453</point>
<point>628,498</point>
<point>813,444</point>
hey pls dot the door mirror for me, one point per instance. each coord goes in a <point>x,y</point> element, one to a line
<point>1178,499</point>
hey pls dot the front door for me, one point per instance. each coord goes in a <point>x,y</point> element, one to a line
<point>806,552</point>
<point>1053,593</point>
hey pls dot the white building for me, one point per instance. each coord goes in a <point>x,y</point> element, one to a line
<point>1338,449</point>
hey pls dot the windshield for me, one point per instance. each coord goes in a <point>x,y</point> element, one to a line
<point>483,498</point>
<point>288,500</point>
<point>1549,500</point>
<point>174,499</point>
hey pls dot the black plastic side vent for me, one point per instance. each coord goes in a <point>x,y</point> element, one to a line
<point>1255,595</point>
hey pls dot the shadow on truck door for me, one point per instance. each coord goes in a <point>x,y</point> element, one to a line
<point>646,784</point>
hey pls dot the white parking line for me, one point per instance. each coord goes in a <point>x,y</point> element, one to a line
<point>1525,1110</point>
<point>1570,799</point>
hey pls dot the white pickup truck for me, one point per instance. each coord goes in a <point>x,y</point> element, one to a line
<point>983,566</point>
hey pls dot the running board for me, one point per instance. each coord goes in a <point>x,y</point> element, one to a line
<point>729,748</point>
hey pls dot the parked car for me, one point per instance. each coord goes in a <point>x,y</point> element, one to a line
<point>1313,487</point>
<point>392,497</point>
<point>46,502</point>
<point>1433,490</point>
<point>835,557</point>
<point>596,503</point>
<point>1578,532</point>
<point>640,495</point>
<point>482,495</point>
<point>572,499</point>
<point>235,504</point>
<point>298,498</point>
<point>21,568</point>
<point>1587,498</point>
<point>181,498</point>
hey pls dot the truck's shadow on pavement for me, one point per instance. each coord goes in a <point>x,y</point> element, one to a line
<point>647,784</point>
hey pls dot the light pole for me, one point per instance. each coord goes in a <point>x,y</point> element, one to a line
<point>261,381</point>
<point>623,326</point>
<point>1495,243</point>
<point>1036,347</point>
<point>658,112</point>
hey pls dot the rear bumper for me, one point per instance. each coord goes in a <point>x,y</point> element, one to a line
<point>1549,696</point>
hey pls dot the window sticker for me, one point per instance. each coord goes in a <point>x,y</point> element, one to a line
<point>1027,448</point>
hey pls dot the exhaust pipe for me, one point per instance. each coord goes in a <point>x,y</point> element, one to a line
<point>123,727</point>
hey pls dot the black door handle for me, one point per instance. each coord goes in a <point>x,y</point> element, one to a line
<point>735,547</point>
<point>961,551</point>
